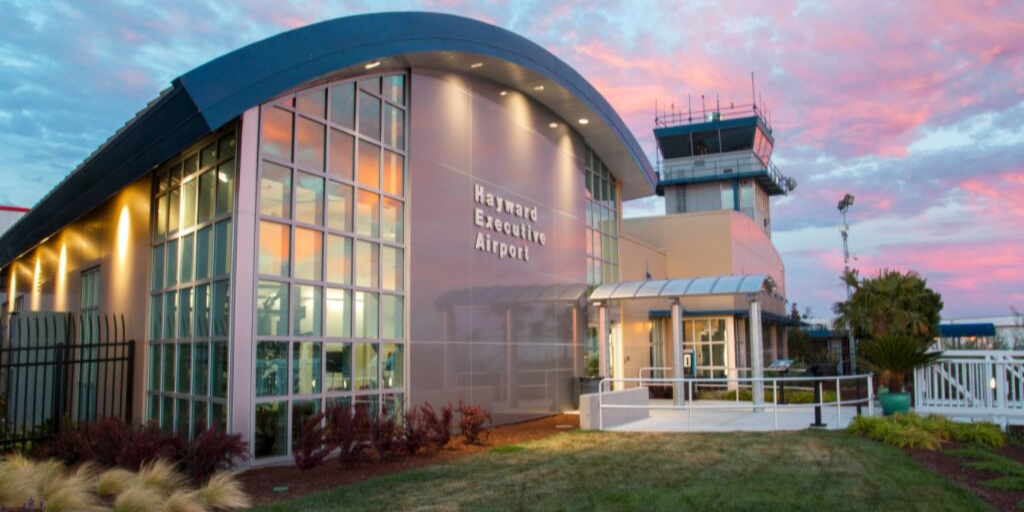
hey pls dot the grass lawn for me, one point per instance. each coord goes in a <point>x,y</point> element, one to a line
<point>590,471</point>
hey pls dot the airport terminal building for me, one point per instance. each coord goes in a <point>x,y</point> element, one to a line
<point>379,210</point>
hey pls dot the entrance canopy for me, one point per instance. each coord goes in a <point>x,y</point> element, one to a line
<point>677,288</point>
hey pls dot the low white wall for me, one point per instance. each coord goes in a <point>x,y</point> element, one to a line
<point>589,419</point>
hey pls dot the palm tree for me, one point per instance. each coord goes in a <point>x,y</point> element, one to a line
<point>892,303</point>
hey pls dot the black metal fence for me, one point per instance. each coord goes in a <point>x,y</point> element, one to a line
<point>59,369</point>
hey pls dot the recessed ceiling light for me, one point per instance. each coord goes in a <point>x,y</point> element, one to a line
<point>584,120</point>
<point>504,93</point>
<point>553,125</point>
<point>476,65</point>
<point>373,64</point>
<point>538,87</point>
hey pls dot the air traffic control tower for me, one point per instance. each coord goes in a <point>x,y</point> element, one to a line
<point>719,159</point>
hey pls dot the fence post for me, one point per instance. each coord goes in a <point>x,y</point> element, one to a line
<point>817,408</point>
<point>130,383</point>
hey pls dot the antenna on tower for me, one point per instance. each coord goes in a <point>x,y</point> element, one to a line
<point>753,91</point>
<point>689,109</point>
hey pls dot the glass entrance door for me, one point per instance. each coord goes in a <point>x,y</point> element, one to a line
<point>707,338</point>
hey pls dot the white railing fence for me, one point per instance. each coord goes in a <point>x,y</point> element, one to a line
<point>973,384</point>
<point>769,384</point>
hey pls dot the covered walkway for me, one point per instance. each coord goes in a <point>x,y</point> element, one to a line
<point>737,420</point>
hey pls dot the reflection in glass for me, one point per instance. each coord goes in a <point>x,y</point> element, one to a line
<point>367,256</point>
<point>306,368</point>
<point>339,259</point>
<point>225,186</point>
<point>339,313</point>
<point>393,174</point>
<point>394,89</point>
<point>343,105</point>
<point>394,127</point>
<point>309,198</point>
<point>277,133</point>
<point>392,365</point>
<point>271,430</point>
<point>369,165</point>
<point>309,250</point>
<point>306,310</point>
<point>392,221</point>
<point>309,146</point>
<point>338,361</point>
<point>366,366</point>
<point>274,249</point>
<point>271,368</point>
<point>392,268</point>
<point>207,182</point>
<point>276,191</point>
<point>368,214</point>
<point>342,155</point>
<point>272,309</point>
<point>391,317</point>
<point>302,411</point>
<point>313,103</point>
<point>365,315</point>
<point>369,116</point>
<point>339,206</point>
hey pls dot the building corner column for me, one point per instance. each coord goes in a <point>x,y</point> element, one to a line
<point>677,352</point>
<point>757,354</point>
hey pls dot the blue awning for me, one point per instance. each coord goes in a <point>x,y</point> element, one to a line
<point>966,330</point>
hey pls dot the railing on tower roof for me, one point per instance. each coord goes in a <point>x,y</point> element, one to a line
<point>709,114</point>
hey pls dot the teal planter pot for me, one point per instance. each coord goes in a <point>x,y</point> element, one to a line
<point>893,403</point>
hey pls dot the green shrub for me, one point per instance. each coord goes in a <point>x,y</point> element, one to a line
<point>914,432</point>
<point>792,396</point>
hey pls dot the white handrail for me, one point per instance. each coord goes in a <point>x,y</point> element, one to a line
<point>689,406</point>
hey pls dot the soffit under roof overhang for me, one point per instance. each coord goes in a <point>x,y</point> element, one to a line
<point>214,94</point>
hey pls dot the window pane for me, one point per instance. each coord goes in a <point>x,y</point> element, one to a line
<point>393,174</point>
<point>218,414</point>
<point>276,191</point>
<point>227,146</point>
<point>272,309</point>
<point>391,317</point>
<point>271,368</point>
<point>394,127</point>
<point>309,251</point>
<point>203,253</point>
<point>394,89</point>
<point>174,215</point>
<point>365,315</point>
<point>369,165</point>
<point>393,366</point>
<point>274,249</point>
<point>221,308</point>
<point>392,268</point>
<point>313,103</point>
<point>339,259</point>
<point>369,115</point>
<point>222,255</point>
<point>271,432</point>
<point>392,221</point>
<point>185,313</point>
<point>302,411</point>
<point>207,182</point>
<point>184,367</point>
<point>306,370</point>
<point>368,214</point>
<point>225,186</point>
<point>306,310</point>
<point>309,198</point>
<point>343,105</point>
<point>219,370</point>
<point>342,153</point>
<point>339,206</point>
<point>309,147</point>
<point>366,365</point>
<point>190,166</point>
<point>181,426</point>
<point>277,133</point>
<point>155,317</point>
<point>338,361</point>
<point>202,311</point>
<point>186,259</point>
<point>188,204</point>
<point>339,313</point>
<point>170,314</point>
<point>199,418</point>
<point>157,275</point>
<point>208,156</point>
<point>367,257</point>
<point>154,367</point>
<point>169,367</point>
<point>161,217</point>
<point>171,278</point>
<point>167,418</point>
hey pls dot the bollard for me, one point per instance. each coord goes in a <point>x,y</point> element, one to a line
<point>817,407</point>
<point>860,383</point>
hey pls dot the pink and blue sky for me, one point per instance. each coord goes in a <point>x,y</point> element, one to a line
<point>915,107</point>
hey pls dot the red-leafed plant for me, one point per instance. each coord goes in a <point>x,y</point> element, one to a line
<point>213,450</point>
<point>312,448</point>
<point>385,436</point>
<point>70,445</point>
<point>346,432</point>
<point>415,431</point>
<point>109,437</point>
<point>471,422</point>
<point>438,426</point>
<point>148,444</point>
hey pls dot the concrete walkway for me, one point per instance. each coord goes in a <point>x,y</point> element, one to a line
<point>741,419</point>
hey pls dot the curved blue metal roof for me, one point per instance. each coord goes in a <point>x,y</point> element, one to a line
<point>208,97</point>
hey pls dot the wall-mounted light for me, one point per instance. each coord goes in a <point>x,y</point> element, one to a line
<point>373,64</point>
<point>553,125</point>
<point>124,227</point>
<point>584,120</point>
<point>476,65</point>
<point>538,87</point>
<point>504,93</point>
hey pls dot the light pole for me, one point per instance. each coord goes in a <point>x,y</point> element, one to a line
<point>844,205</point>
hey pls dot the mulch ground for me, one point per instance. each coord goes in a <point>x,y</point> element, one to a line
<point>970,479</point>
<point>261,482</point>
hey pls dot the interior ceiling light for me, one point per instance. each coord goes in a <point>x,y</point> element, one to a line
<point>584,120</point>
<point>538,87</point>
<point>504,93</point>
<point>553,125</point>
<point>476,65</point>
<point>373,64</point>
